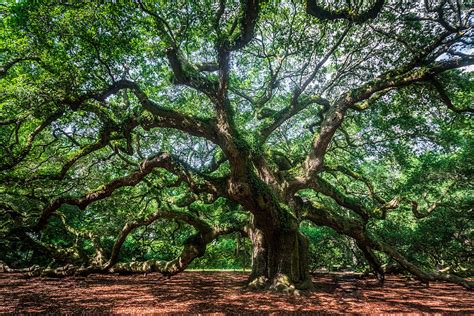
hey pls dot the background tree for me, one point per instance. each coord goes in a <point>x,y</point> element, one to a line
<point>197,119</point>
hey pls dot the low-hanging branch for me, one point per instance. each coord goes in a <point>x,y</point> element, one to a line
<point>161,160</point>
<point>201,226</point>
<point>193,247</point>
<point>356,229</point>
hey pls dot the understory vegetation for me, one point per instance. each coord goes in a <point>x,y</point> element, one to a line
<point>328,250</point>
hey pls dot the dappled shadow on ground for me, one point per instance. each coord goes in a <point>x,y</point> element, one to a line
<point>206,292</point>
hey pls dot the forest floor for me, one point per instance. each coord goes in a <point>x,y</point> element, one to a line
<point>224,292</point>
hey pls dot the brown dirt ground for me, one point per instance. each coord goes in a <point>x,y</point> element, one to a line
<point>223,292</point>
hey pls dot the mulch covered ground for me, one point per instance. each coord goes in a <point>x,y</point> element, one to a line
<point>223,292</point>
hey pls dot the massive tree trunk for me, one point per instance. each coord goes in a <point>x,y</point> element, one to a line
<point>280,251</point>
<point>279,260</point>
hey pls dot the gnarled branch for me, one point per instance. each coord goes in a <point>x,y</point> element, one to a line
<point>324,14</point>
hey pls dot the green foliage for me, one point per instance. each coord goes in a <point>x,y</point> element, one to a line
<point>226,253</point>
<point>407,144</point>
<point>330,251</point>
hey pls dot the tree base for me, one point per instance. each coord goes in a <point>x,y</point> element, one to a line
<point>280,283</point>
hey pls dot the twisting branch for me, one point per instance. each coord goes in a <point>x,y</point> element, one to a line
<point>445,98</point>
<point>79,234</point>
<point>354,228</point>
<point>249,13</point>
<point>415,70</point>
<point>335,115</point>
<point>29,142</point>
<point>184,72</point>
<point>161,160</point>
<point>201,226</point>
<point>323,186</point>
<point>364,105</point>
<point>59,254</point>
<point>163,117</point>
<point>104,138</point>
<point>415,208</point>
<point>193,248</point>
<point>323,14</point>
<point>426,276</point>
<point>396,80</point>
<point>5,67</point>
<point>359,177</point>
<point>172,119</point>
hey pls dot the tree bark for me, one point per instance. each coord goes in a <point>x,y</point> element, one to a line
<point>373,261</point>
<point>258,276</point>
<point>279,260</point>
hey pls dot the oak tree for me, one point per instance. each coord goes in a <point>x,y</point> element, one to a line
<point>226,116</point>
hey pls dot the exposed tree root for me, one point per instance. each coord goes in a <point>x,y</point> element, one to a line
<point>282,283</point>
<point>259,283</point>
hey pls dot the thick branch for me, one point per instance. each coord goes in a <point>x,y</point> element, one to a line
<point>211,67</point>
<point>355,229</point>
<point>184,72</point>
<point>402,76</point>
<point>372,260</point>
<point>4,68</point>
<point>194,247</point>
<point>415,270</point>
<point>323,186</point>
<point>199,224</point>
<point>335,115</point>
<point>397,79</point>
<point>249,13</point>
<point>323,14</point>
<point>162,160</point>
<point>163,117</point>
<point>358,177</point>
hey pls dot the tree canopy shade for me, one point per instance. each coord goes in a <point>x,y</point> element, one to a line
<point>255,117</point>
